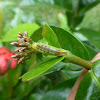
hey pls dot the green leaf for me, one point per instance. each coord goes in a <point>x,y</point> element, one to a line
<point>61,66</point>
<point>43,41</point>
<point>69,74</point>
<point>23,89</point>
<point>78,10</point>
<point>66,40</point>
<point>12,35</point>
<point>37,71</point>
<point>61,91</point>
<point>37,35</point>
<point>71,43</point>
<point>39,57</point>
<point>89,88</point>
<point>89,6</point>
<point>30,62</point>
<point>93,36</point>
<point>50,36</point>
<point>92,52</point>
<point>13,75</point>
<point>92,19</point>
<point>35,96</point>
<point>63,21</point>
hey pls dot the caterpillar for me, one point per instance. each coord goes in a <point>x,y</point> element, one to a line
<point>46,49</point>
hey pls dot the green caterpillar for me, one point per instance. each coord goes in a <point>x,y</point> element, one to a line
<point>46,49</point>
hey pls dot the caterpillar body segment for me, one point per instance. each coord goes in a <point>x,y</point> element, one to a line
<point>46,49</point>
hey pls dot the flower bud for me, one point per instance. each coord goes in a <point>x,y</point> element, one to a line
<point>24,49</point>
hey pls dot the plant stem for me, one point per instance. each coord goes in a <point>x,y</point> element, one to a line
<point>79,61</point>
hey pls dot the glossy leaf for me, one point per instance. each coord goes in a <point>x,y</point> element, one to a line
<point>61,66</point>
<point>91,51</point>
<point>89,88</point>
<point>23,89</point>
<point>93,36</point>
<point>50,36</point>
<point>69,74</point>
<point>66,40</point>
<point>61,91</point>
<point>30,28</point>
<point>37,71</point>
<point>70,42</point>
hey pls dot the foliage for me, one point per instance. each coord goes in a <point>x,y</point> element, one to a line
<point>73,25</point>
